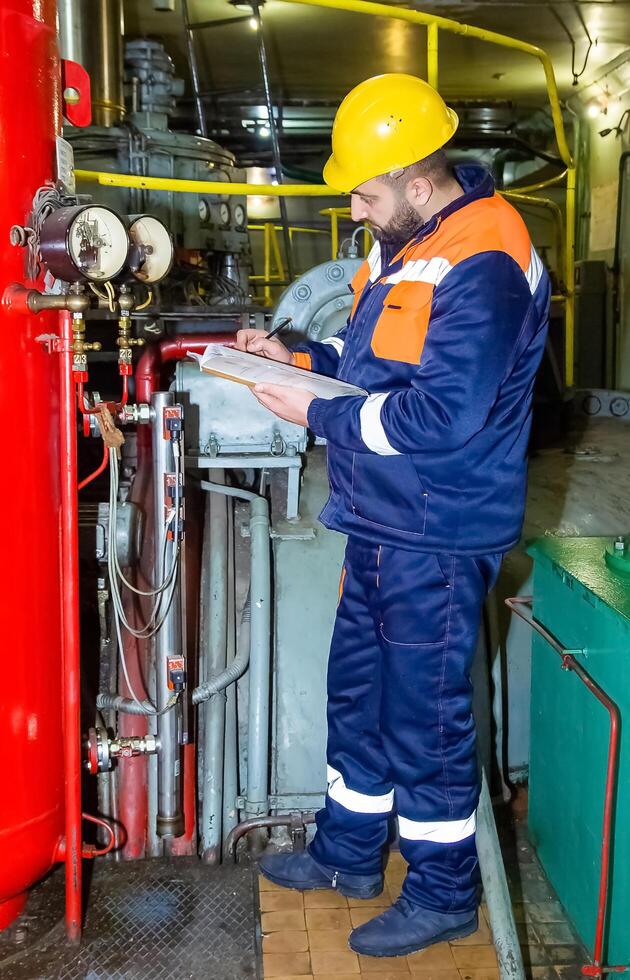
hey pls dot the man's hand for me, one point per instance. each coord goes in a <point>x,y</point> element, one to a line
<point>255,342</point>
<point>290,404</point>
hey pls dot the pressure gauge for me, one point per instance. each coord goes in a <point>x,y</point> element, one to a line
<point>239,215</point>
<point>84,242</point>
<point>151,252</point>
<point>204,210</point>
<point>224,214</point>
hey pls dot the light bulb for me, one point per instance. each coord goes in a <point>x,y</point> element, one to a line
<point>265,132</point>
<point>253,23</point>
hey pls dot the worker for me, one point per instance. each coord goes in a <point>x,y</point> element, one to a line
<point>428,481</point>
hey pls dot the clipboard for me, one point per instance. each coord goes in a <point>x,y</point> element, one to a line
<point>251,369</point>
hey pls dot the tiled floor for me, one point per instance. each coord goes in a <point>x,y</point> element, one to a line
<point>306,935</point>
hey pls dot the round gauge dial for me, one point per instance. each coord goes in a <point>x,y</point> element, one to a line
<point>97,242</point>
<point>151,254</point>
<point>224,214</point>
<point>84,243</point>
<point>204,210</point>
<point>239,215</point>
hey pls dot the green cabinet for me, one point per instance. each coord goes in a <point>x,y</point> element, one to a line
<point>587,607</point>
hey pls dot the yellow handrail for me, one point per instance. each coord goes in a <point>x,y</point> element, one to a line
<point>432,55</point>
<point>542,184</point>
<point>434,23</point>
<point>107,179</point>
<point>455,27</point>
<point>556,210</point>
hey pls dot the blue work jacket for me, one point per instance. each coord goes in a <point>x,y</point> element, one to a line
<point>446,335</point>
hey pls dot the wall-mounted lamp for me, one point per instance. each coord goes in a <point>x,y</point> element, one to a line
<point>594,107</point>
<point>619,128</point>
<point>244,6</point>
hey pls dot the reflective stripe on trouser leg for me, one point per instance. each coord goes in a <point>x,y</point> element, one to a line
<point>352,828</point>
<point>430,612</point>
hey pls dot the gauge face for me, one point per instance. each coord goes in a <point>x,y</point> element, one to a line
<point>152,246</point>
<point>239,215</point>
<point>97,243</point>
<point>204,210</point>
<point>224,214</point>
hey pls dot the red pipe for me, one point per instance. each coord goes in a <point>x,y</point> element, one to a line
<point>97,472</point>
<point>173,349</point>
<point>69,521</point>
<point>133,772</point>
<point>86,409</point>
<point>596,969</point>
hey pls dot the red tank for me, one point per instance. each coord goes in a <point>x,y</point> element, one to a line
<point>31,752</point>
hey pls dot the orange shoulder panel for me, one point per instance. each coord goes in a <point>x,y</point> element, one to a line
<point>487,225</point>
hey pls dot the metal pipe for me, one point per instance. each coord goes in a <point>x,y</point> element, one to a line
<point>206,186</point>
<point>213,655</point>
<point>616,266</point>
<point>168,640</point>
<point>540,185</point>
<point>71,717</point>
<point>569,257</point>
<point>238,641</point>
<point>106,63</point>
<point>256,802</point>
<point>556,211</point>
<point>194,71</point>
<point>496,890</point>
<point>455,27</point>
<point>71,28</point>
<point>432,55</point>
<point>275,144</point>
<point>259,823</point>
<point>219,682</point>
<point>569,662</point>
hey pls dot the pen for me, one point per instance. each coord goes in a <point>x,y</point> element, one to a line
<point>278,328</point>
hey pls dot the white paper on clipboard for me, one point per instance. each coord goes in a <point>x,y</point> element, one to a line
<point>251,369</point>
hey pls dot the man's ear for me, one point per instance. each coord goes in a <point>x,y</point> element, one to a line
<point>419,191</point>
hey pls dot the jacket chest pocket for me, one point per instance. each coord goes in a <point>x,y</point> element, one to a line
<point>401,328</point>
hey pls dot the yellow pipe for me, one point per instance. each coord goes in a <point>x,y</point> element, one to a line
<point>541,185</point>
<point>276,252</point>
<point>432,55</point>
<point>454,27</point>
<point>207,186</point>
<point>267,263</point>
<point>292,228</point>
<point>569,335</point>
<point>556,210</point>
<point>334,233</point>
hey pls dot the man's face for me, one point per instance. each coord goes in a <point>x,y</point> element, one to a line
<point>387,209</point>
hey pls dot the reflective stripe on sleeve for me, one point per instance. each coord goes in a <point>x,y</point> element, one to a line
<point>335,342</point>
<point>372,431</point>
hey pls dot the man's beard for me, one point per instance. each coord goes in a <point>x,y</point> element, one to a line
<point>402,225</point>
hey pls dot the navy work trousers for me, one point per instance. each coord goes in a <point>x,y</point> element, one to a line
<point>401,735</point>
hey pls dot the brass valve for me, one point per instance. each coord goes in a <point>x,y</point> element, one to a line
<point>79,346</point>
<point>125,340</point>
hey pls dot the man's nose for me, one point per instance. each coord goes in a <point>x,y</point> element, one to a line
<point>358,209</point>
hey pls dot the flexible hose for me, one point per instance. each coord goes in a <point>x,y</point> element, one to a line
<point>231,673</point>
<point>117,702</point>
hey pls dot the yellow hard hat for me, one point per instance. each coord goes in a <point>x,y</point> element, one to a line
<point>384,124</point>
